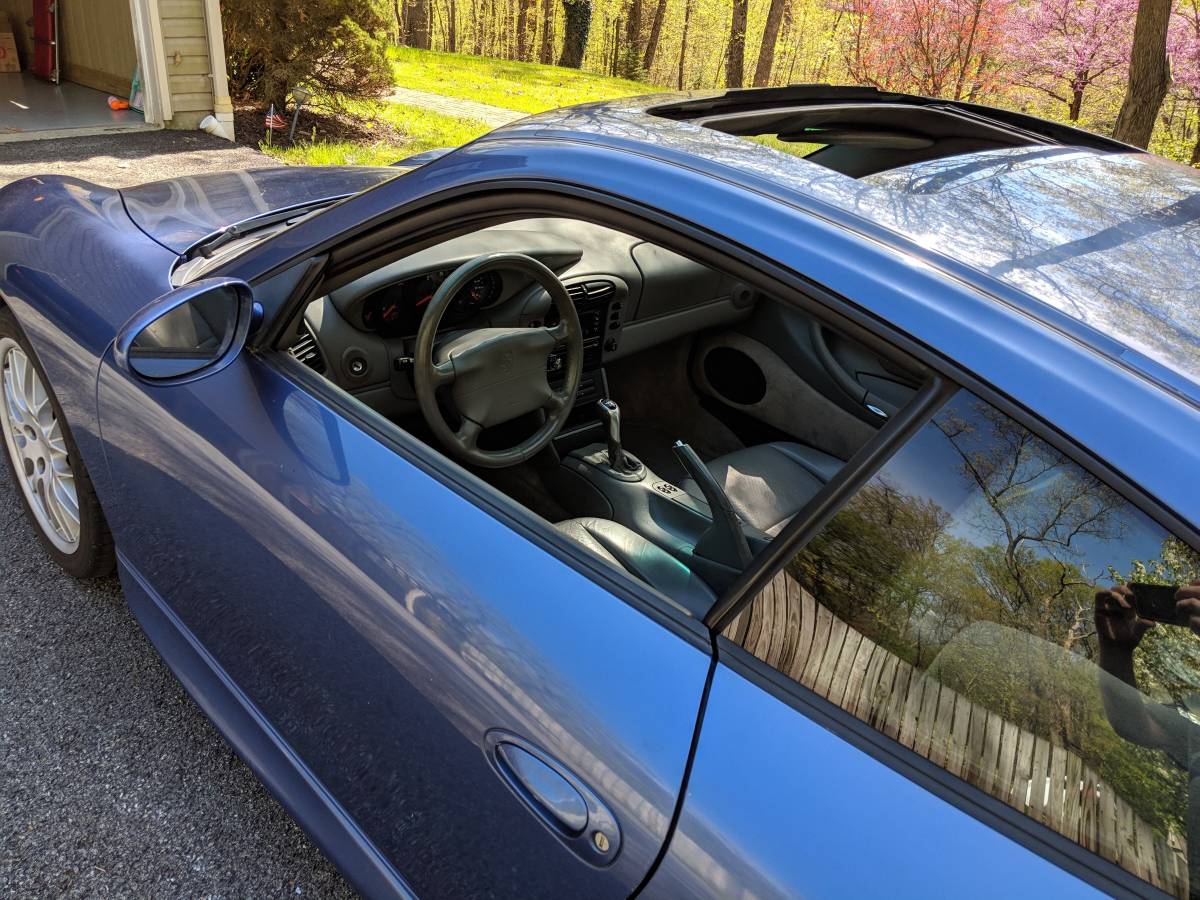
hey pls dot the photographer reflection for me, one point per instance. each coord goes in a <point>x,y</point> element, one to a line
<point>1123,616</point>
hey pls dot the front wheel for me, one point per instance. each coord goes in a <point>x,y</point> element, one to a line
<point>44,460</point>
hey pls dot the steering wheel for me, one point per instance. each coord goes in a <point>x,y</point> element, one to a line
<point>496,375</point>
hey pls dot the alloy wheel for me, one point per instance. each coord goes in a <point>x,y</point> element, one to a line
<point>37,448</point>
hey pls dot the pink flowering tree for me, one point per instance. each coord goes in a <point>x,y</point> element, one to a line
<point>940,48</point>
<point>1183,45</point>
<point>1063,47</point>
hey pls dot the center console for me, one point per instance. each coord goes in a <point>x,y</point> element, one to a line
<point>599,305</point>
<point>605,481</point>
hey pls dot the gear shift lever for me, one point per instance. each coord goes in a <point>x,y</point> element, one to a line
<point>610,418</point>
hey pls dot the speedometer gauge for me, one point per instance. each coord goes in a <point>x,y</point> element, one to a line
<point>482,291</point>
<point>485,289</point>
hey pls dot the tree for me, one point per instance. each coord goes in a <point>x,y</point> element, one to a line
<point>525,10</point>
<point>766,52</point>
<point>1063,47</point>
<point>656,27</point>
<point>942,48</point>
<point>683,44</point>
<point>629,55</point>
<point>1149,74</point>
<point>546,51</point>
<point>337,48</point>
<point>398,21</point>
<point>452,25</point>
<point>417,32</point>
<point>577,25</point>
<point>735,61</point>
<point>1184,45</point>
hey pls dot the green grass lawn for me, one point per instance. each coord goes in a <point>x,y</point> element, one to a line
<point>425,130</point>
<point>521,86</point>
<point>527,87</point>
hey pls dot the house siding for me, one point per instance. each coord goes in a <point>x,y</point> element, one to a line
<point>188,63</point>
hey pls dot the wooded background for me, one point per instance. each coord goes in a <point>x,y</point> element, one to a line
<point>1064,59</point>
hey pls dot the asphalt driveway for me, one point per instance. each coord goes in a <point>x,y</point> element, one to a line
<point>112,782</point>
<point>118,160</point>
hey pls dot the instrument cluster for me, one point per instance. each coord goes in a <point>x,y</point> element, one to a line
<point>396,310</point>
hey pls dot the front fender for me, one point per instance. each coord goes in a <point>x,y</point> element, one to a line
<point>73,268</point>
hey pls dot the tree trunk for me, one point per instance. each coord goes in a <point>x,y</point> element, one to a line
<point>1196,149</point>
<point>524,8</point>
<point>736,58</point>
<point>416,23</point>
<point>615,56</point>
<point>1149,74</point>
<point>660,12</point>
<point>546,50</point>
<point>577,16</point>
<point>1076,104</point>
<point>687,21</point>
<point>766,53</point>
<point>476,28</point>
<point>399,19</point>
<point>633,25</point>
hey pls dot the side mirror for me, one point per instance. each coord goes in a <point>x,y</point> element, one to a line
<point>195,329</point>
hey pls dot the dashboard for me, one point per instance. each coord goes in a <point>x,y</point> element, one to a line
<point>630,295</point>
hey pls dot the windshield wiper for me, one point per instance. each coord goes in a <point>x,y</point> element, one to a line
<point>211,244</point>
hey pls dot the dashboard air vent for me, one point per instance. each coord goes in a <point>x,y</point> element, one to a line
<point>577,292</point>
<point>585,294</point>
<point>600,290</point>
<point>590,291</point>
<point>307,351</point>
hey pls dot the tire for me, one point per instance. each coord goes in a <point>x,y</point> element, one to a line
<point>45,464</point>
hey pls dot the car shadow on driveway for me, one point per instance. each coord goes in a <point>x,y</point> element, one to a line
<point>112,781</point>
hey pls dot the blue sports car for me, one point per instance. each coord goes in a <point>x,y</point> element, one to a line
<point>778,493</point>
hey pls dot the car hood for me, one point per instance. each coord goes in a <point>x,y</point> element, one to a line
<point>180,211</point>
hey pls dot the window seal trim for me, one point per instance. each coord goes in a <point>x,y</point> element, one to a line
<point>1039,839</point>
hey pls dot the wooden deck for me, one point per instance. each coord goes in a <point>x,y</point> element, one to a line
<point>789,630</point>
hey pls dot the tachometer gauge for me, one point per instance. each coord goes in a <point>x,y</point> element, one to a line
<point>380,313</point>
<point>389,312</point>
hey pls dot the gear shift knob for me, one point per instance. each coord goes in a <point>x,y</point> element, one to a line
<point>610,418</point>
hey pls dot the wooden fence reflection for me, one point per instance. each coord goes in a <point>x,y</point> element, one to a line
<point>790,631</point>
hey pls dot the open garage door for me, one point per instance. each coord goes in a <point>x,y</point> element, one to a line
<point>90,45</point>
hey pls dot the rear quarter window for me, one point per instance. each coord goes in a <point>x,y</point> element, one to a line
<point>962,604</point>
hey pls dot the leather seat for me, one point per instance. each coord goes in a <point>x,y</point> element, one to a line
<point>628,550</point>
<point>768,484</point>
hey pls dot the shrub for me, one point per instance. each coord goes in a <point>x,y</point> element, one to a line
<point>336,47</point>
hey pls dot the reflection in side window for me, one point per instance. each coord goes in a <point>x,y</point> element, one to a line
<point>970,603</point>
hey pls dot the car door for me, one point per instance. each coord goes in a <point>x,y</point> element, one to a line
<point>466,700</point>
<point>920,700</point>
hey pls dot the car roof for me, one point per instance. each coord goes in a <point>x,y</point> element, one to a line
<point>1097,238</point>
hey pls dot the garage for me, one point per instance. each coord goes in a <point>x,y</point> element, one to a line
<point>65,65</point>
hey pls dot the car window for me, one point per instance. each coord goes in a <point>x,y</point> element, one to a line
<point>962,604</point>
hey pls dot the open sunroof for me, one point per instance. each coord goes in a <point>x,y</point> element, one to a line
<point>861,131</point>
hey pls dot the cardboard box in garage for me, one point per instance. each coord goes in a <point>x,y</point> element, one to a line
<point>8,48</point>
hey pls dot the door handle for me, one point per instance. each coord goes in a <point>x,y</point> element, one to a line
<point>561,801</point>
